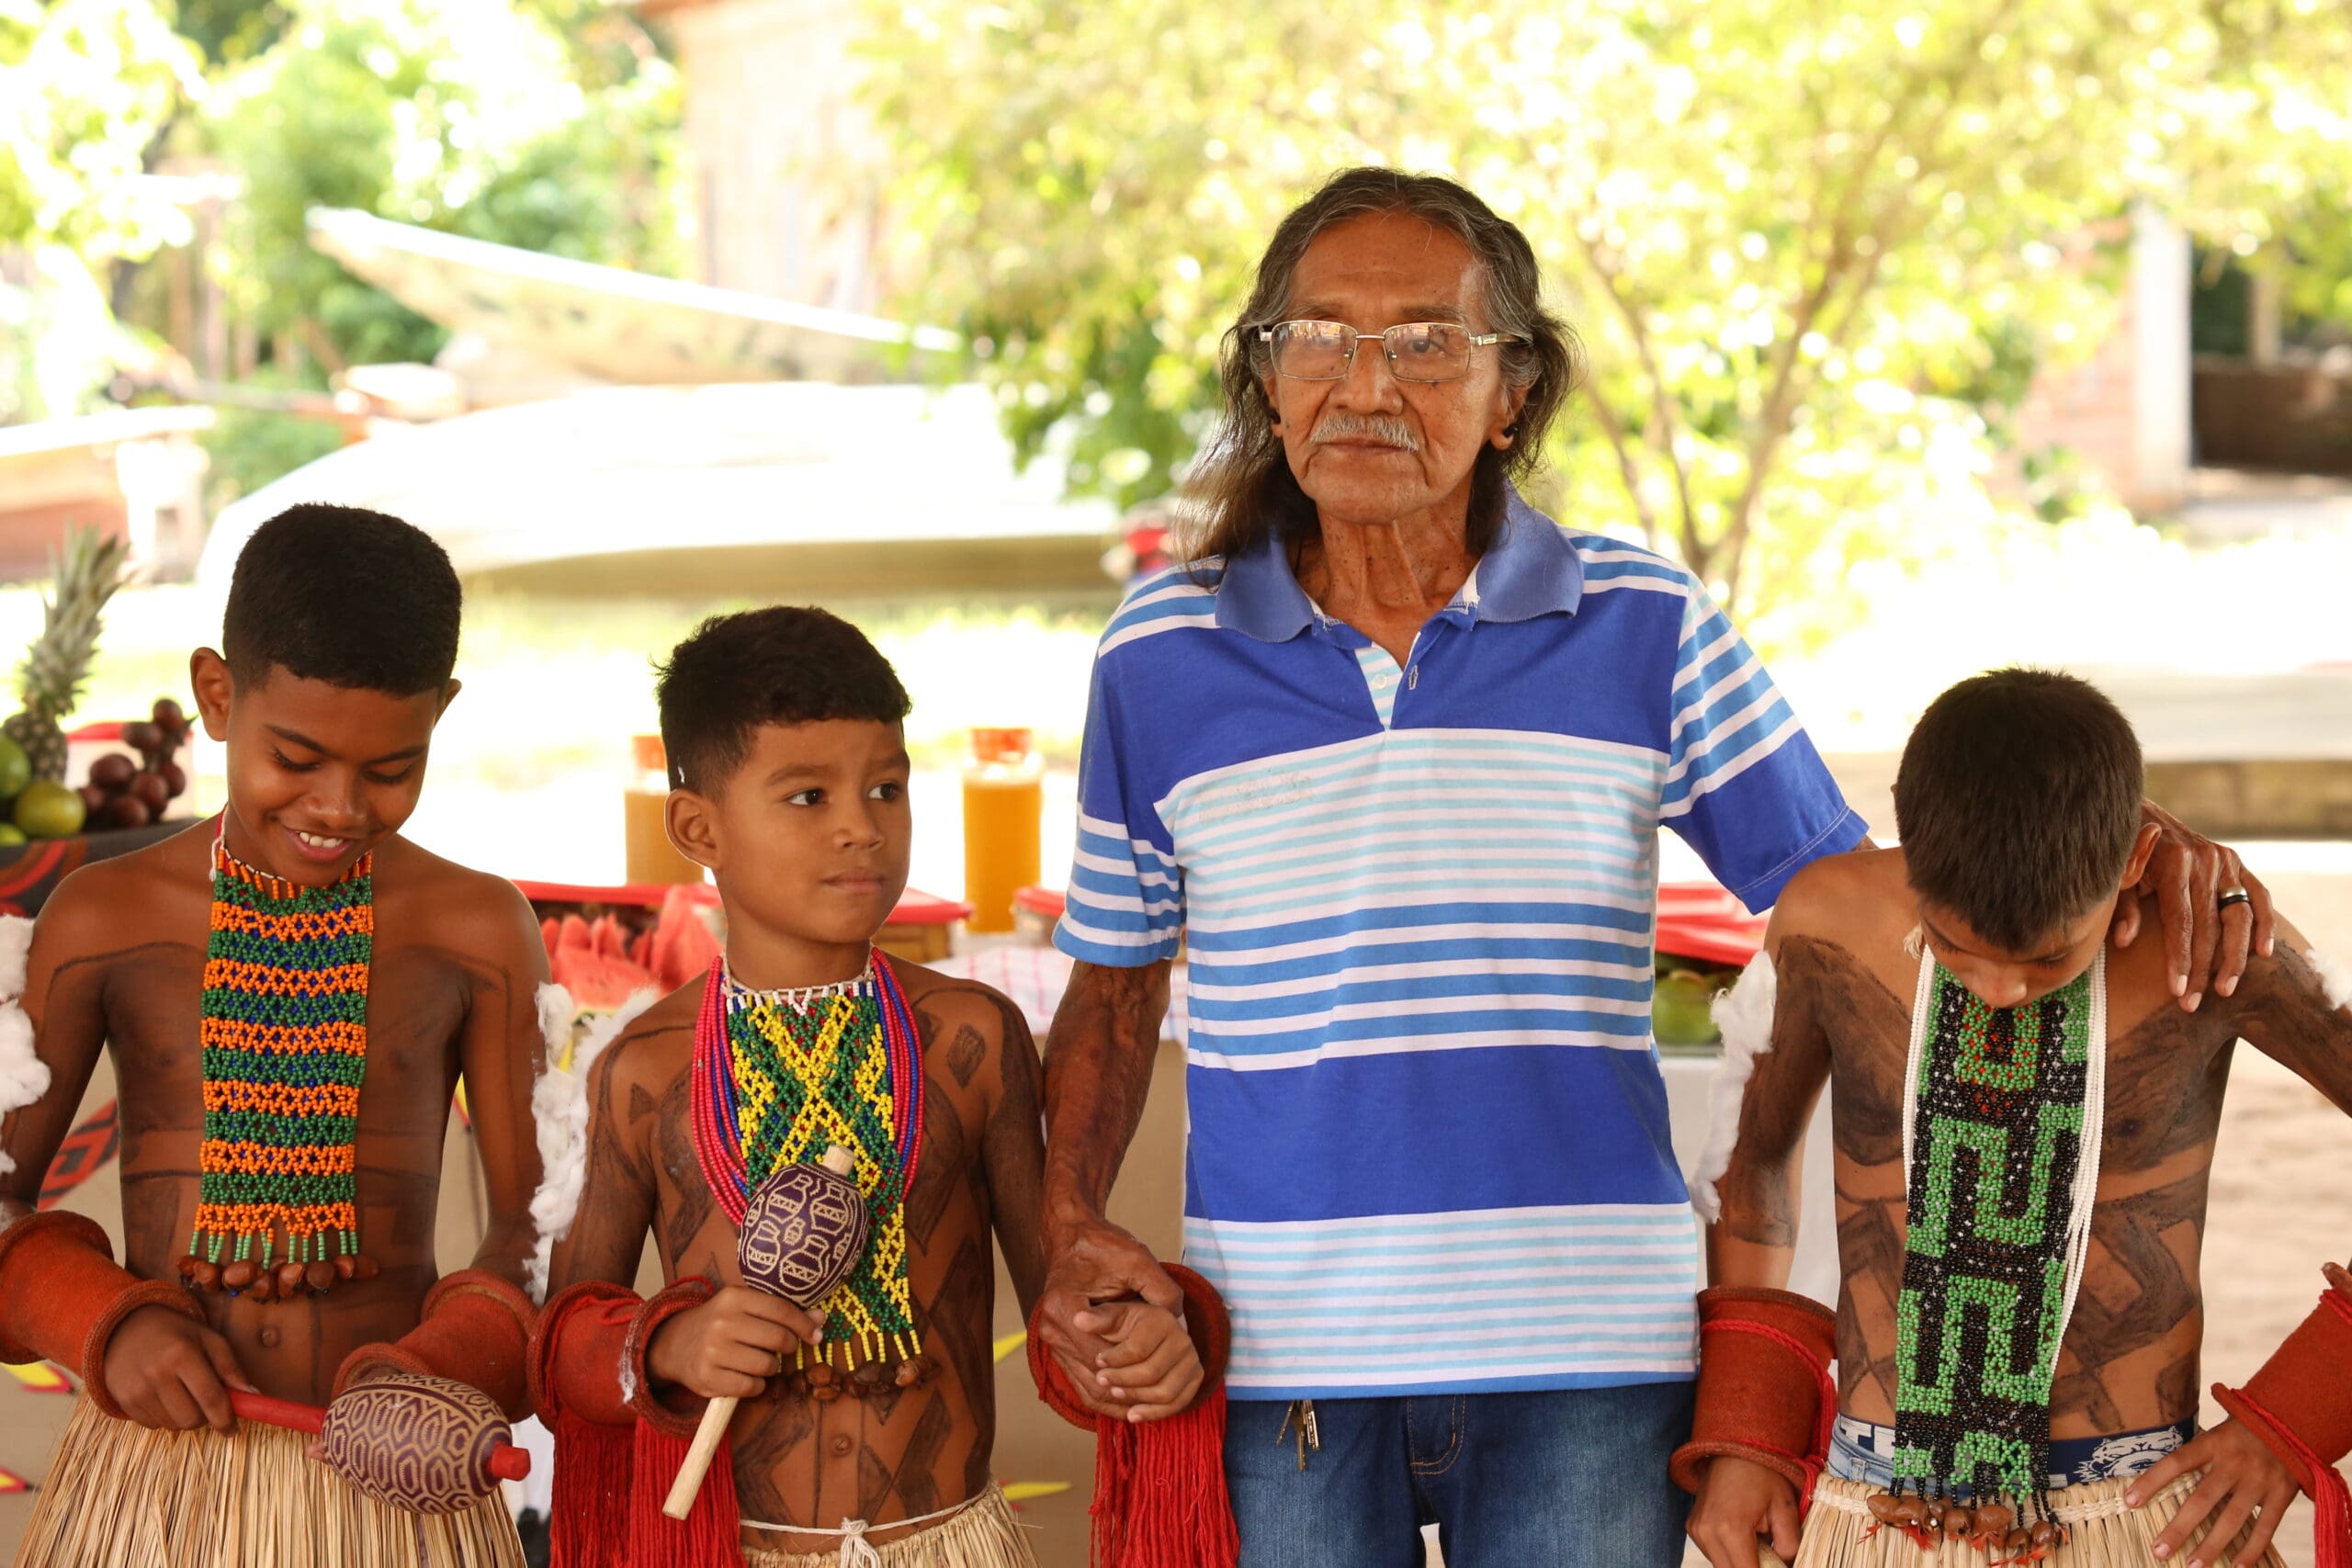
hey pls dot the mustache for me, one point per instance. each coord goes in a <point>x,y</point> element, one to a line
<point>1387,429</point>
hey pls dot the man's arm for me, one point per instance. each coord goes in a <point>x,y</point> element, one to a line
<point>1097,1071</point>
<point>500,1052</point>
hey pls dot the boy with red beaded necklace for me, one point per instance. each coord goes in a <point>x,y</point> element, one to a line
<point>291,993</point>
<point>867,1425</point>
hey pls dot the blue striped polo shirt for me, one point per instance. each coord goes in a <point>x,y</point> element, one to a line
<point>1428,1147</point>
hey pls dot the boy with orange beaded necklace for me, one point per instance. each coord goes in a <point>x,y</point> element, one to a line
<point>291,993</point>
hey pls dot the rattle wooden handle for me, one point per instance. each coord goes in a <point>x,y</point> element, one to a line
<point>507,1462</point>
<point>683,1491</point>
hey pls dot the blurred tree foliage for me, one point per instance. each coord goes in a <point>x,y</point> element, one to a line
<point>85,87</point>
<point>547,124</point>
<point>1816,249</point>
<point>469,115</point>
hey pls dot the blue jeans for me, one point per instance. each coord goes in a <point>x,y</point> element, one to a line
<point>1568,1479</point>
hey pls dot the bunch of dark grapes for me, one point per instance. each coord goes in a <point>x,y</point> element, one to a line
<point>124,794</point>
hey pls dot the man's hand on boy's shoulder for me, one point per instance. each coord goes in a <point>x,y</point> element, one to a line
<point>166,1370</point>
<point>1152,1369</point>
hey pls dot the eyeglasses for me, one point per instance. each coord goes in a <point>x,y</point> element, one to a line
<point>1417,351</point>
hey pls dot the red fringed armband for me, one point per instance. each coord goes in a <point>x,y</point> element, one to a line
<point>1764,1388</point>
<point>2300,1404</point>
<point>1159,1498</point>
<point>474,1329</point>
<point>617,1445</point>
<point>62,1297</point>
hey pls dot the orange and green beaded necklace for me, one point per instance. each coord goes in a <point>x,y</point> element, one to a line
<point>284,1033</point>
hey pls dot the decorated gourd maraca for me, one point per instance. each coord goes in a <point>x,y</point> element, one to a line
<point>425,1444</point>
<point>802,1235</point>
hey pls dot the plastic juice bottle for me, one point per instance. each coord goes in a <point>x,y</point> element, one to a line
<point>651,856</point>
<point>1005,803</point>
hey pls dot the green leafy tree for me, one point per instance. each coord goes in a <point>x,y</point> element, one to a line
<point>85,86</point>
<point>453,113</point>
<point>1813,248</point>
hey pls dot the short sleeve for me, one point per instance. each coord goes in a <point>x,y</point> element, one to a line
<point>1744,785</point>
<point>1126,896</point>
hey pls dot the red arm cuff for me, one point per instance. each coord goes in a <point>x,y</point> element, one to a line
<point>1764,1392</point>
<point>2301,1402</point>
<point>474,1329</point>
<point>1206,1324</point>
<point>63,1295</point>
<point>588,1358</point>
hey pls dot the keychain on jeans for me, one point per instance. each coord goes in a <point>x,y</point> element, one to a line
<point>1310,1435</point>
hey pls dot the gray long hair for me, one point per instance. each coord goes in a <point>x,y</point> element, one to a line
<point>1243,489</point>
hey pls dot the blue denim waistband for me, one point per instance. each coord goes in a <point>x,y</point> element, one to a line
<point>1863,1452</point>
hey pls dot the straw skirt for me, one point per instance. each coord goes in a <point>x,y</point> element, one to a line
<point>981,1535</point>
<point>123,1496</point>
<point>2102,1532</point>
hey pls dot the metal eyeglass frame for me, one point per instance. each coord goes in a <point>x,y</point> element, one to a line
<point>1477,340</point>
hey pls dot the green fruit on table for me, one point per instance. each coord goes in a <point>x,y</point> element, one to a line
<point>1679,1010</point>
<point>49,810</point>
<point>11,835</point>
<point>16,768</point>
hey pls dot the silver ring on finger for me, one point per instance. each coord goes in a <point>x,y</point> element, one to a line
<point>2235,895</point>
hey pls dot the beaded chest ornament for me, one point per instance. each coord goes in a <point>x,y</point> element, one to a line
<point>780,1075</point>
<point>2003,1111</point>
<point>283,1028</point>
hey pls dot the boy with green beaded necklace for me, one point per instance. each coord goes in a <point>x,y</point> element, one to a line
<point>2023,1124</point>
<point>291,992</point>
<point>866,1425</point>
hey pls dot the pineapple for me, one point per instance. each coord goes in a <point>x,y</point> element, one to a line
<point>49,682</point>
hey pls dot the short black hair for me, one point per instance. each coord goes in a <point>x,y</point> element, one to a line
<point>786,665</point>
<point>2017,800</point>
<point>344,596</point>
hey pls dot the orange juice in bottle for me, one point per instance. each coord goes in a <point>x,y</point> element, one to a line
<point>645,827</point>
<point>1005,803</point>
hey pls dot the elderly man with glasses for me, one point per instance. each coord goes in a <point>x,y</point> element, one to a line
<point>1390,755</point>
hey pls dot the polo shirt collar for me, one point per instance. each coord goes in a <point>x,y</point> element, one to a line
<point>1531,570</point>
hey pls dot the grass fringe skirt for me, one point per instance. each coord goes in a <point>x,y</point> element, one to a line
<point>123,1496</point>
<point>981,1536</point>
<point>2103,1531</point>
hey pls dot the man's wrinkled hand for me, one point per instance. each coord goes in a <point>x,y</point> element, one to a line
<point>1090,1263</point>
<point>2205,946</point>
<point>2242,1476</point>
<point>1740,1501</point>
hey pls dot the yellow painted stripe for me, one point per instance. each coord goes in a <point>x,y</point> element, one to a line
<point>1007,1344</point>
<point>1022,1491</point>
<point>42,1378</point>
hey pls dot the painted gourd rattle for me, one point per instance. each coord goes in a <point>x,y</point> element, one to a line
<point>803,1233</point>
<point>423,1444</point>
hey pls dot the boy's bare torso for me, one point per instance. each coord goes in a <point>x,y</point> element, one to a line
<point>897,1454</point>
<point>131,974</point>
<point>2129,1360</point>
